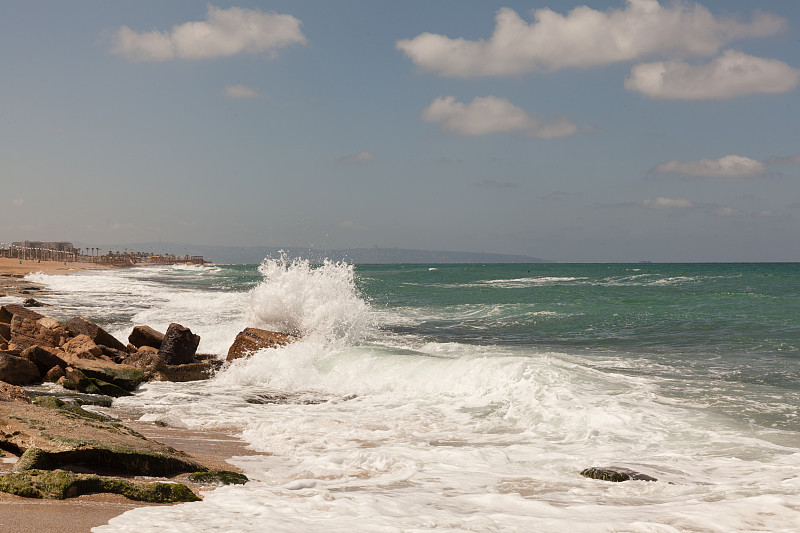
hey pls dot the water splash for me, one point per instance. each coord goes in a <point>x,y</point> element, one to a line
<point>310,301</point>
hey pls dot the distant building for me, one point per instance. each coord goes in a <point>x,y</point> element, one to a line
<point>59,246</point>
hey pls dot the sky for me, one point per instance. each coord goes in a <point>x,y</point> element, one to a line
<point>572,131</point>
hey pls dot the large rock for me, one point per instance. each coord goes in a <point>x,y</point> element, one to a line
<point>43,358</point>
<point>81,326</point>
<point>18,370</point>
<point>179,345</point>
<point>189,371</point>
<point>27,332</point>
<point>82,347</point>
<point>149,362</point>
<point>253,339</point>
<point>71,438</point>
<point>5,332</point>
<point>146,336</point>
<point>7,312</point>
<point>13,393</point>
<point>156,369</point>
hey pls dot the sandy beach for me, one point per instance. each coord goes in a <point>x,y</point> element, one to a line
<point>12,267</point>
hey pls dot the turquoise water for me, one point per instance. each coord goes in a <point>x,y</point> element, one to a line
<point>469,397</point>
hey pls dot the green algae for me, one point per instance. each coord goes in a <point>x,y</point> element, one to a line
<point>62,484</point>
<point>219,477</point>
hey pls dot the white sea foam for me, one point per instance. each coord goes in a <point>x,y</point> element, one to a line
<point>363,429</point>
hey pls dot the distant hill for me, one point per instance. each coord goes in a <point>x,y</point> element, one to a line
<point>362,256</point>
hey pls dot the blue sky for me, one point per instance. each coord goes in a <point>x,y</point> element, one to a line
<point>572,131</point>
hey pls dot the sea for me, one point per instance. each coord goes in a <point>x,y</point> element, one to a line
<point>469,397</point>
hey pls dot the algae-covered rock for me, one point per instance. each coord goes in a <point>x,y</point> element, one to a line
<point>60,484</point>
<point>122,376</point>
<point>219,477</point>
<point>615,474</point>
<point>33,459</point>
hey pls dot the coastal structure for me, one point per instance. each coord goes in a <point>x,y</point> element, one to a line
<point>65,251</point>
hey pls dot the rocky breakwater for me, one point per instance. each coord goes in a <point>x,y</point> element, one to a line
<point>60,450</point>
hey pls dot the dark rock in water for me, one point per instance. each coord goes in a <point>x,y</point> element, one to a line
<point>13,393</point>
<point>65,396</point>
<point>253,339</point>
<point>190,371</point>
<point>218,477</point>
<point>17,370</point>
<point>43,358</point>
<point>146,336</point>
<point>81,326</point>
<point>179,345</point>
<point>123,376</point>
<point>615,474</point>
<point>30,302</point>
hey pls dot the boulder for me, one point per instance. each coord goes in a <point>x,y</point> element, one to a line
<point>13,393</point>
<point>123,376</point>
<point>81,326</point>
<point>149,362</point>
<point>82,347</point>
<point>27,332</point>
<point>189,372</point>
<point>145,336</point>
<point>253,339</point>
<point>30,302</point>
<point>54,374</point>
<point>179,345</point>
<point>74,379</point>
<point>43,358</point>
<point>17,370</point>
<point>5,332</point>
<point>112,353</point>
<point>615,473</point>
<point>7,312</point>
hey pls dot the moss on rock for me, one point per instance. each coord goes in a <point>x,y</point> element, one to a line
<point>61,484</point>
<point>219,477</point>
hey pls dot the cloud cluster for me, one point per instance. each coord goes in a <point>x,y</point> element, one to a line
<point>488,115</point>
<point>585,38</point>
<point>668,203</point>
<point>225,32</point>
<point>729,166</point>
<point>731,75</point>
<point>240,92</point>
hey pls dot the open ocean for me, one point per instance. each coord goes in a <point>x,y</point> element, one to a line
<point>469,397</point>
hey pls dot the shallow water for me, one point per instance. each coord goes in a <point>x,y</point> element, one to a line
<point>469,397</point>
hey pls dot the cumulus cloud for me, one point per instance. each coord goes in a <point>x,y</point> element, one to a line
<point>584,38</point>
<point>361,157</point>
<point>731,75</point>
<point>667,203</point>
<point>225,32</point>
<point>240,92</point>
<point>729,166</point>
<point>487,115</point>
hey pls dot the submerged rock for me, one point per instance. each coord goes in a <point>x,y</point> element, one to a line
<point>251,340</point>
<point>615,474</point>
<point>218,477</point>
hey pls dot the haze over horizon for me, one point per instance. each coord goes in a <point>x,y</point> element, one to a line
<point>566,130</point>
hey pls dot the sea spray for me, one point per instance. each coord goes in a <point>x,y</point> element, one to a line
<point>298,298</point>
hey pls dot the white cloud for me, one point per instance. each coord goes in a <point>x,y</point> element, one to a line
<point>487,115</point>
<point>790,161</point>
<point>225,32</point>
<point>730,166</point>
<point>585,37</point>
<point>668,203</point>
<point>731,75</point>
<point>361,157</point>
<point>728,212</point>
<point>240,92</point>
